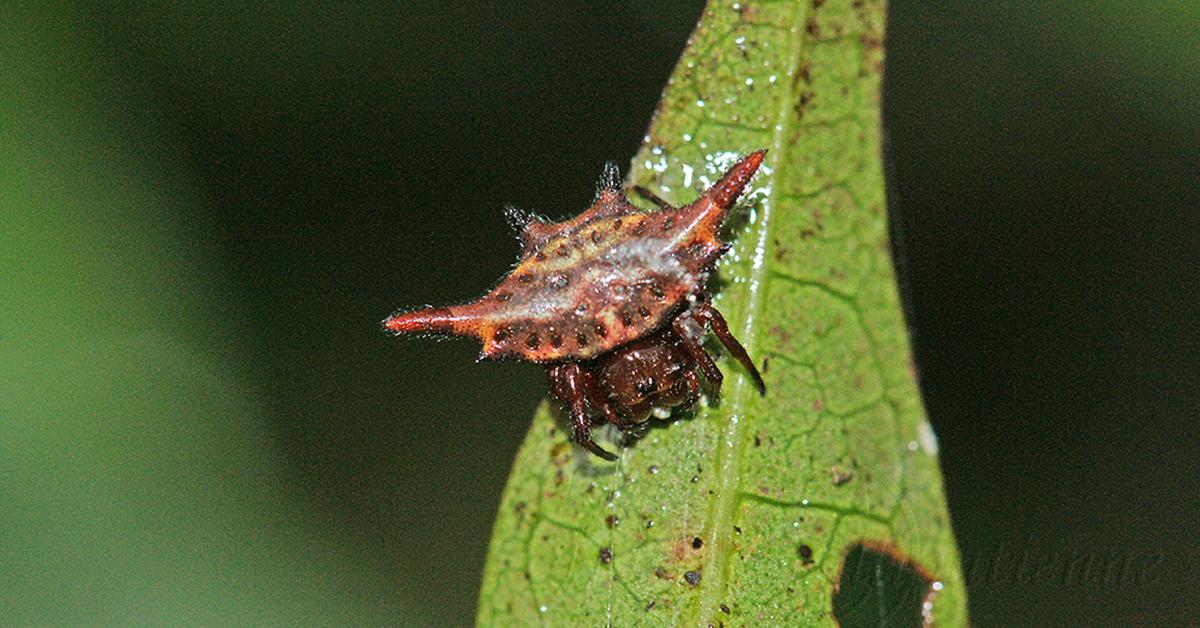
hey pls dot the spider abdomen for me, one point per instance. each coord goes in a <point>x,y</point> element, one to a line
<point>592,283</point>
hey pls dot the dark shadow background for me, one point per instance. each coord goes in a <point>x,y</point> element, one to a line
<point>1044,181</point>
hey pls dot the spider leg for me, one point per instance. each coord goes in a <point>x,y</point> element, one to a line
<point>709,315</point>
<point>597,398</point>
<point>652,197</point>
<point>570,383</point>
<point>684,328</point>
<point>693,386</point>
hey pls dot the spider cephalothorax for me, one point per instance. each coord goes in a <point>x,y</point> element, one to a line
<point>613,301</point>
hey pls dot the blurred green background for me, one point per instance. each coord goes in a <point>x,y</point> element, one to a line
<point>204,213</point>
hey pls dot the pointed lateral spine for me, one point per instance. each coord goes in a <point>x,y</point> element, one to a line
<point>434,320</point>
<point>610,180</point>
<point>731,185</point>
<point>699,221</point>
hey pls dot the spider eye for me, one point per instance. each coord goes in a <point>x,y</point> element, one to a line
<point>646,386</point>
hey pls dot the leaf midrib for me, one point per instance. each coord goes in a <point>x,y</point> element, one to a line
<point>722,508</point>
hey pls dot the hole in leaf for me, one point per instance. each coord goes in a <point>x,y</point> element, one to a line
<point>878,586</point>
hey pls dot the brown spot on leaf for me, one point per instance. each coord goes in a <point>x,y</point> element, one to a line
<point>806,554</point>
<point>871,40</point>
<point>681,550</point>
<point>840,476</point>
<point>812,29</point>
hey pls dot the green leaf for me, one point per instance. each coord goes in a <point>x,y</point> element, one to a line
<point>743,513</point>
